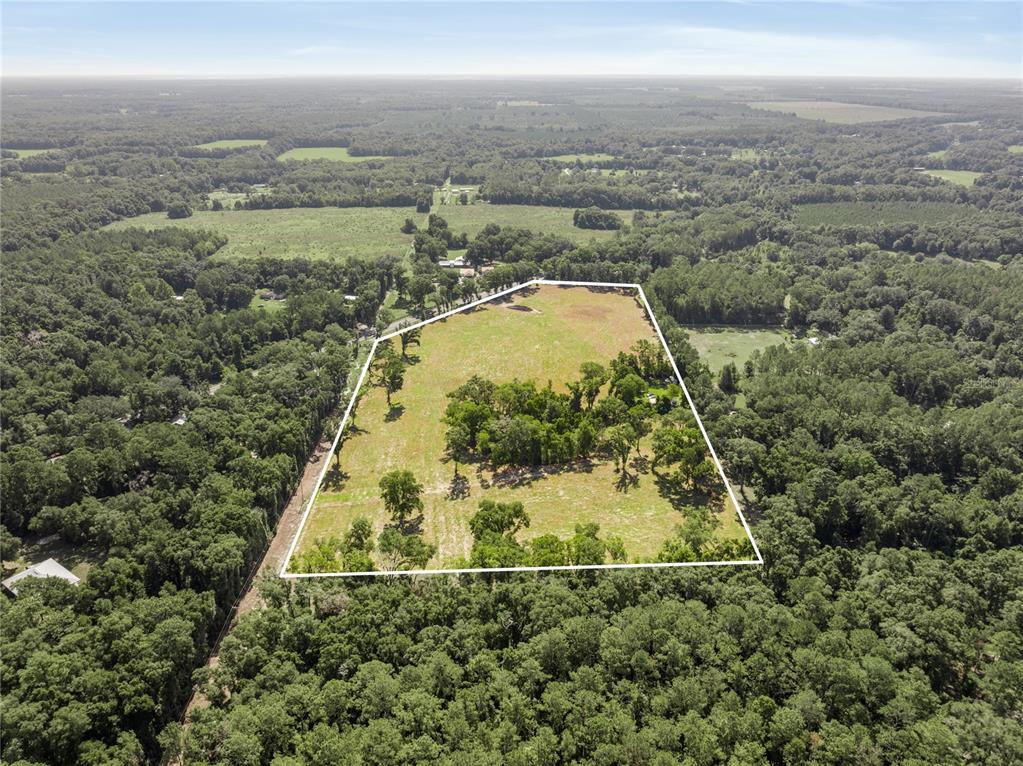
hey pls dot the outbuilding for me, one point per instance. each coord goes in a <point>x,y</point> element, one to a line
<point>47,568</point>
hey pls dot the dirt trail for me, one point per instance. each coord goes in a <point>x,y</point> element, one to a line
<point>287,527</point>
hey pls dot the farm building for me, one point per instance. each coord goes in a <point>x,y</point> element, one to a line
<point>47,568</point>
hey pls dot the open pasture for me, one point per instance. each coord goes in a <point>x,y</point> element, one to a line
<point>24,154</point>
<point>961,177</point>
<point>331,153</point>
<point>232,143</point>
<point>718,346</point>
<point>840,112</point>
<point>543,334</point>
<point>361,232</point>
<point>573,158</point>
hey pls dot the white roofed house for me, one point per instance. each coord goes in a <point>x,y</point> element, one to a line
<point>47,568</point>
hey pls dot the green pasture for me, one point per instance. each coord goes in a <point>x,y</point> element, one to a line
<point>718,346</point>
<point>840,112</point>
<point>1016,149</point>
<point>542,334</point>
<point>332,153</point>
<point>961,177</point>
<point>23,154</point>
<point>232,143</point>
<point>573,158</point>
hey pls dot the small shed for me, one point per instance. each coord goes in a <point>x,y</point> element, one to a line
<point>48,568</point>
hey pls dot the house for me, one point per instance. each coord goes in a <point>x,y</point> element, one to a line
<point>48,568</point>
<point>453,263</point>
<point>180,420</point>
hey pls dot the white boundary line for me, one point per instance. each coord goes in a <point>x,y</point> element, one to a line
<point>532,282</point>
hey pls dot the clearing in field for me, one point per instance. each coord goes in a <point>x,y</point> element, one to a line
<point>840,112</point>
<point>232,143</point>
<point>543,427</point>
<point>332,153</point>
<point>961,177</point>
<point>1016,149</point>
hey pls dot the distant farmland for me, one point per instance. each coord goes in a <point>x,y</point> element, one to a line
<point>232,143</point>
<point>840,112</point>
<point>331,153</point>
<point>362,232</point>
<point>961,177</point>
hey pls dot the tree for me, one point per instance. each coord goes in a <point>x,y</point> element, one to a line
<point>500,518</point>
<point>389,371</point>
<point>402,495</point>
<point>409,338</point>
<point>178,210</point>
<point>728,381</point>
<point>409,227</point>
<point>619,441</point>
<point>405,551</point>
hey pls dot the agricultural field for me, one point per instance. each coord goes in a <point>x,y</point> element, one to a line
<point>232,143</point>
<point>332,153</point>
<point>869,213</point>
<point>840,112</point>
<point>718,346</point>
<point>573,158</point>
<point>541,334</point>
<point>297,232</point>
<point>550,220</point>
<point>361,232</point>
<point>22,154</point>
<point>961,177</point>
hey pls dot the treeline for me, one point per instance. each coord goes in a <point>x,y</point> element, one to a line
<point>156,428</point>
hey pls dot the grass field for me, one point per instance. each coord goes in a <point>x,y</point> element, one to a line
<point>272,307</point>
<point>1016,149</point>
<point>572,158</point>
<point>961,177</point>
<point>22,154</point>
<point>362,232</point>
<point>332,153</point>
<point>565,327</point>
<point>866,213</point>
<point>938,155</point>
<point>297,232</point>
<point>718,346</point>
<point>232,143</point>
<point>840,112</point>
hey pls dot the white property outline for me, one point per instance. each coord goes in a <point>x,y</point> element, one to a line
<point>570,567</point>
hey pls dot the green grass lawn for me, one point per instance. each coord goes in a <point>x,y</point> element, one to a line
<point>718,346</point>
<point>840,112</point>
<point>565,327</point>
<point>1016,149</point>
<point>938,155</point>
<point>961,177</point>
<point>232,143</point>
<point>332,153</point>
<point>362,232</point>
<point>572,158</point>
<point>867,213</point>
<point>22,154</point>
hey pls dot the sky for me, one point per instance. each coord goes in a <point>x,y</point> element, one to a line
<point>744,37</point>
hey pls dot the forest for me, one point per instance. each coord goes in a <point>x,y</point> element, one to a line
<point>156,422</point>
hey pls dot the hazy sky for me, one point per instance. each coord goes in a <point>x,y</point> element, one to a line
<point>907,39</point>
